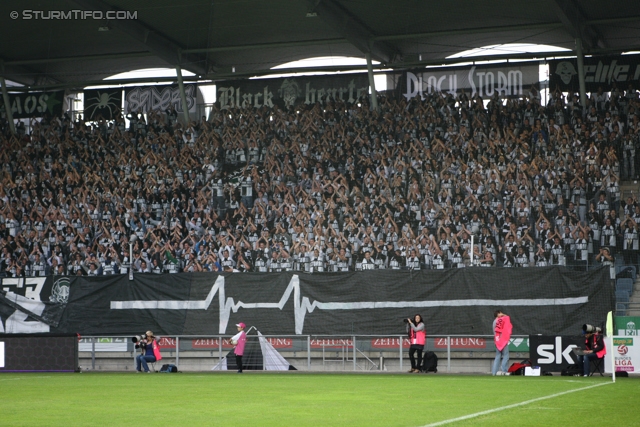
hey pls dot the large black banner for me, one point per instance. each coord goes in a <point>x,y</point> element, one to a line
<point>287,92</point>
<point>486,80</point>
<point>599,71</point>
<point>102,103</point>
<point>35,104</point>
<point>548,301</point>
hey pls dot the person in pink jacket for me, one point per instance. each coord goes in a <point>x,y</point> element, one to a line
<point>150,352</point>
<point>239,340</point>
<point>417,338</point>
<point>501,333</point>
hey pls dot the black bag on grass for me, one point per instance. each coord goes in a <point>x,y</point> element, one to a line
<point>571,371</point>
<point>429,362</point>
<point>169,369</point>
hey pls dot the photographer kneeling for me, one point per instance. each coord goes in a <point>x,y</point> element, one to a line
<point>417,337</point>
<point>150,352</point>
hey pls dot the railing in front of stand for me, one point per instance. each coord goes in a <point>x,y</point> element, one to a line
<point>374,352</point>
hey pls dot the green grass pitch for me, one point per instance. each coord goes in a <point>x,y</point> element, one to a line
<point>306,399</point>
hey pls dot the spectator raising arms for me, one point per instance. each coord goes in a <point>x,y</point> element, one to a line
<point>323,188</point>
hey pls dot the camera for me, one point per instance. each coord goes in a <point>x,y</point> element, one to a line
<point>590,329</point>
<point>140,340</point>
<point>405,320</point>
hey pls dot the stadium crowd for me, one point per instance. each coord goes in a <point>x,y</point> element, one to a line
<point>331,187</point>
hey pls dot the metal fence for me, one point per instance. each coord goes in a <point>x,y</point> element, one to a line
<point>310,352</point>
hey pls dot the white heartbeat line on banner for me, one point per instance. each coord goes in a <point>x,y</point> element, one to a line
<point>303,305</point>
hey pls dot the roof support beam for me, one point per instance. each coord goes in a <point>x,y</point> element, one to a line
<point>502,29</point>
<point>19,75</point>
<point>141,54</point>
<point>331,68</point>
<point>357,33</point>
<point>372,83</point>
<point>24,75</point>
<point>236,48</point>
<point>477,30</point>
<point>106,83</point>
<point>79,58</point>
<point>581,82</point>
<point>183,97</point>
<point>576,24</point>
<point>212,78</point>
<point>256,46</point>
<point>158,43</point>
<point>7,106</point>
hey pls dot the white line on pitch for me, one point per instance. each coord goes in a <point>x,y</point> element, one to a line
<point>514,405</point>
<point>21,378</point>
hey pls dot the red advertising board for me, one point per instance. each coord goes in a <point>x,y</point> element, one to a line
<point>167,342</point>
<point>281,342</point>
<point>331,343</point>
<point>389,343</point>
<point>211,343</point>
<point>214,343</point>
<point>461,343</point>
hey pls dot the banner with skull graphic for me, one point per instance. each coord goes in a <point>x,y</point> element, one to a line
<point>599,72</point>
<point>102,104</point>
<point>292,91</point>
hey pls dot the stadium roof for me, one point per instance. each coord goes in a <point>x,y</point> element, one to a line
<point>221,39</point>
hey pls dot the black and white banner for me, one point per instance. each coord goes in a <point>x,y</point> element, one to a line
<point>148,98</point>
<point>506,80</point>
<point>599,71</point>
<point>32,304</point>
<point>548,301</point>
<point>287,92</point>
<point>35,104</point>
<point>102,103</point>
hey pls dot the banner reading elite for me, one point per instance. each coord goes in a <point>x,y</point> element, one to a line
<point>599,71</point>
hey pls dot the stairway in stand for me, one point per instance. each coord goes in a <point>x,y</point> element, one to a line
<point>629,188</point>
<point>632,189</point>
<point>634,300</point>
